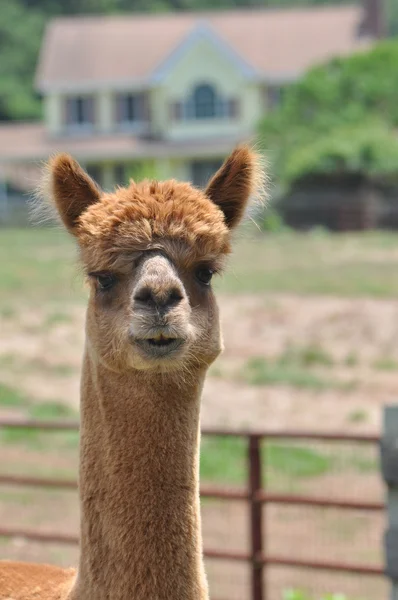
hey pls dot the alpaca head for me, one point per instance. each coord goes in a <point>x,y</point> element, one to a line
<point>149,252</point>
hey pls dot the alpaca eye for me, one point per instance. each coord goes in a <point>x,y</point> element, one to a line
<point>105,281</point>
<point>204,275</point>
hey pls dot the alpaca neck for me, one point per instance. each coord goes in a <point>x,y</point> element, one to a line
<point>140,519</point>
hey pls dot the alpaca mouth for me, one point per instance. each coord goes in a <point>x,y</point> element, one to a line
<point>161,345</point>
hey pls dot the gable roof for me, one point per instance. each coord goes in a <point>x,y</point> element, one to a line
<point>275,44</point>
<point>202,32</point>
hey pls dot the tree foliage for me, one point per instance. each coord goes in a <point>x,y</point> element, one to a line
<point>356,149</point>
<point>340,116</point>
<point>19,31</point>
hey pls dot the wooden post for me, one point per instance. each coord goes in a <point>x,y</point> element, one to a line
<point>389,465</point>
<point>256,520</point>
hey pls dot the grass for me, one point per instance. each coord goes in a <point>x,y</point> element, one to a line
<point>8,360</point>
<point>359,459</point>
<point>297,461</point>
<point>306,356</point>
<point>37,264</point>
<point>10,398</point>
<point>7,312</point>
<point>57,318</point>
<point>350,265</point>
<point>33,438</point>
<point>351,360</point>
<point>23,498</point>
<point>51,410</point>
<point>385,363</point>
<point>259,371</point>
<point>215,371</point>
<point>39,365</point>
<point>300,595</point>
<point>358,415</point>
<point>224,459</point>
<point>39,440</point>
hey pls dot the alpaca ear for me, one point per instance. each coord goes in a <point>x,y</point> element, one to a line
<point>234,183</point>
<point>70,188</point>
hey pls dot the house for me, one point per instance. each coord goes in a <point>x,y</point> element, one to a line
<point>170,95</point>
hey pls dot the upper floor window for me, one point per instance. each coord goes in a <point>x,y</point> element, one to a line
<point>205,103</point>
<point>80,111</point>
<point>131,108</point>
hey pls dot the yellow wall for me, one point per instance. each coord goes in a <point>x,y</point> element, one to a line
<point>205,63</point>
<point>53,113</point>
<point>105,113</point>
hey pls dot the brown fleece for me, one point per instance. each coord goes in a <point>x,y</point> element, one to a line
<point>19,581</point>
<point>140,411</point>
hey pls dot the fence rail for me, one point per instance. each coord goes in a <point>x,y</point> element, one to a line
<point>254,495</point>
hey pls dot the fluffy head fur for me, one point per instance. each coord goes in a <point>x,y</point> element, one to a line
<point>147,215</point>
<point>144,212</point>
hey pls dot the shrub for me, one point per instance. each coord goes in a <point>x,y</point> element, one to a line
<point>369,149</point>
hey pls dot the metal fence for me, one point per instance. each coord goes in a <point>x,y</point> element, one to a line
<point>255,495</point>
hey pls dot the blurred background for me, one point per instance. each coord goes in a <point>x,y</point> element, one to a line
<point>163,89</point>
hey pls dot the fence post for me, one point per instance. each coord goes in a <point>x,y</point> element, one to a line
<point>389,467</point>
<point>256,518</point>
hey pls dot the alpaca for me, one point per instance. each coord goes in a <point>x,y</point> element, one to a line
<point>152,329</point>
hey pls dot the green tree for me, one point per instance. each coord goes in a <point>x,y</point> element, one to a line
<point>20,31</point>
<point>345,108</point>
<point>368,148</point>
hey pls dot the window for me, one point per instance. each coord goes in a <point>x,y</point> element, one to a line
<point>95,172</point>
<point>80,110</point>
<point>203,170</point>
<point>205,102</point>
<point>131,108</point>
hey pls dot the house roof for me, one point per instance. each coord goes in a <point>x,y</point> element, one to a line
<point>30,142</point>
<point>273,43</point>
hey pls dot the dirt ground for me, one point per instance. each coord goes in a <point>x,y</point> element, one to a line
<point>40,356</point>
<point>363,330</point>
<point>360,335</point>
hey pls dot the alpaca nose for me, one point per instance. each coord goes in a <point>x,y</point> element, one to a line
<point>159,298</point>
